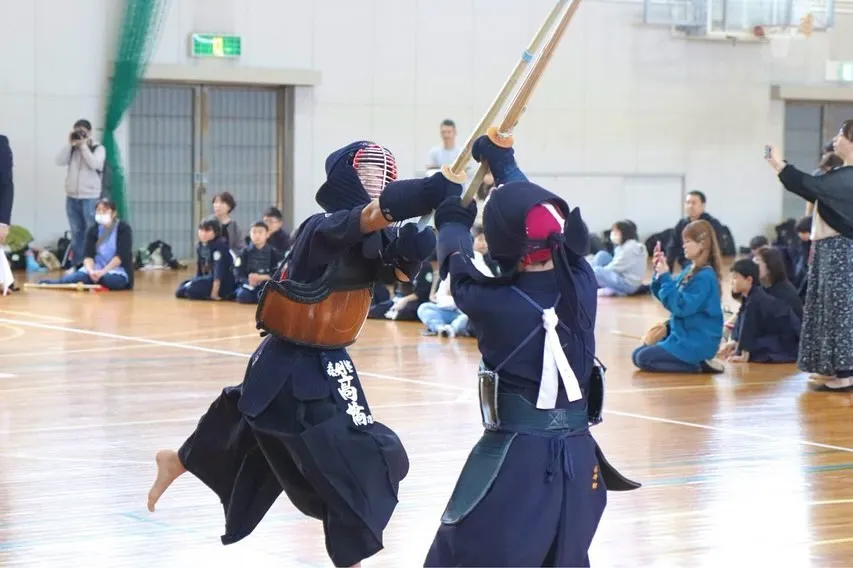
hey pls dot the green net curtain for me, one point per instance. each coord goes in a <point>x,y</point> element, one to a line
<point>137,36</point>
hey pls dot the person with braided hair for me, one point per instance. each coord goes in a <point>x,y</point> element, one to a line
<point>534,487</point>
<point>689,341</point>
<point>300,422</point>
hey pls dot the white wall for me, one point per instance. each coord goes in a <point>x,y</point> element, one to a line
<point>618,98</point>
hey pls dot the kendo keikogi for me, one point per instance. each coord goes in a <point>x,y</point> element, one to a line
<point>534,487</point>
<point>300,422</point>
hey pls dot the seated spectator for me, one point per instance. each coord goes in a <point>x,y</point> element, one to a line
<point>801,256</point>
<point>214,278</point>
<point>223,205</point>
<point>688,342</point>
<point>694,208</point>
<point>766,329</point>
<point>621,274</point>
<point>774,278</point>
<point>256,265</point>
<point>408,296</point>
<point>756,243</point>
<point>482,259</point>
<point>107,252</point>
<point>441,316</point>
<point>278,238</point>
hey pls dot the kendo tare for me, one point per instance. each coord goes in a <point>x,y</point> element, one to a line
<point>300,422</point>
<point>534,487</point>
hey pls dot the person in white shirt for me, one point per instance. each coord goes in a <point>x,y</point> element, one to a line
<point>440,315</point>
<point>446,153</point>
<point>621,274</point>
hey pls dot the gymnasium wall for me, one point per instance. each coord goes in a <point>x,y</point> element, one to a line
<point>623,107</point>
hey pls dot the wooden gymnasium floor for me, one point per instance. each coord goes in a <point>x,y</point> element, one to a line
<point>742,469</point>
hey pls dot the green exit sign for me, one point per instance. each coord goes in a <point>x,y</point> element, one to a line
<point>214,45</point>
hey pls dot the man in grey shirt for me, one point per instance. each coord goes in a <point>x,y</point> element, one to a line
<point>85,161</point>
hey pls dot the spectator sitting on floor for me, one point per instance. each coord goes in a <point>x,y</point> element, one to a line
<point>622,273</point>
<point>107,252</point>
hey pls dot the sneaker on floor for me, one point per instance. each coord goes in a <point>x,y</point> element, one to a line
<point>428,333</point>
<point>836,385</point>
<point>606,292</point>
<point>712,366</point>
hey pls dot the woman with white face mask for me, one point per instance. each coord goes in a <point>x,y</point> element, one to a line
<point>622,273</point>
<point>108,252</point>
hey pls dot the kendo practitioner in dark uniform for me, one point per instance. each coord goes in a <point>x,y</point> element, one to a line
<point>767,330</point>
<point>534,487</point>
<point>214,277</point>
<point>299,422</point>
<point>255,265</point>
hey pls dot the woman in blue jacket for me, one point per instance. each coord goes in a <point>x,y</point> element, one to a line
<point>695,325</point>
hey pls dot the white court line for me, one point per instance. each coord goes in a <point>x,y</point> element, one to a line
<point>210,350</point>
<point>108,425</point>
<point>729,431</point>
<point>7,376</point>
<point>427,383</point>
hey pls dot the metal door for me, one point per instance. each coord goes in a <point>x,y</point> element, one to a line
<point>188,143</point>
<point>240,150</point>
<point>160,165</point>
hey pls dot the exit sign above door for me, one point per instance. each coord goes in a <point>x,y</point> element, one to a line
<point>215,45</point>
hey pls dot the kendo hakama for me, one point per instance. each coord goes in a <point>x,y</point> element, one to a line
<point>316,440</point>
<point>535,485</point>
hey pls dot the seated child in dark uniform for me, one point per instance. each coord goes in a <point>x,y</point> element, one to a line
<point>766,330</point>
<point>256,264</point>
<point>278,237</point>
<point>214,279</point>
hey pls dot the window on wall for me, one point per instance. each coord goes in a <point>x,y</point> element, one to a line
<point>803,139</point>
<point>808,126</point>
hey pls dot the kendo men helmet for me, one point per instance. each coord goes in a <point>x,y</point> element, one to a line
<point>355,175</point>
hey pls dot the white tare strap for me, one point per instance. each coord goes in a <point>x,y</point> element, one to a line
<point>554,362</point>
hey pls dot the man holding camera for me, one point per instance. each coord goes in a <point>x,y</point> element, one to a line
<point>85,162</point>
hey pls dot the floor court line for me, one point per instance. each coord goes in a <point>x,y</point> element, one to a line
<point>37,316</point>
<point>189,347</point>
<point>427,383</point>
<point>194,418</point>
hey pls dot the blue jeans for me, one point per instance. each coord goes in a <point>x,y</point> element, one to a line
<point>607,278</point>
<point>434,317</point>
<point>656,359</point>
<point>81,216</point>
<point>109,281</point>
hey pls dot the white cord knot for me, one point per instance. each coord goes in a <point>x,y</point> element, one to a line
<point>555,365</point>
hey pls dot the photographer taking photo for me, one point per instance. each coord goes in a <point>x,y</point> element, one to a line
<point>84,159</point>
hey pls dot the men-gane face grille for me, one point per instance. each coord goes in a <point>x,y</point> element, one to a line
<point>376,168</point>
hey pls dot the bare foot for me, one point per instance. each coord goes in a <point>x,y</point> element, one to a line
<point>169,468</point>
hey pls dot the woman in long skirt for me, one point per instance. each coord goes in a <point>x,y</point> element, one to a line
<point>826,342</point>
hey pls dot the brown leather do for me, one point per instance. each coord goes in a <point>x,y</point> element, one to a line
<point>332,323</point>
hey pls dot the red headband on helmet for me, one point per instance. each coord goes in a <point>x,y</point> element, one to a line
<point>543,220</point>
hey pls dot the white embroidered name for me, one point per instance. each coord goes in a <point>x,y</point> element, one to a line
<point>343,372</point>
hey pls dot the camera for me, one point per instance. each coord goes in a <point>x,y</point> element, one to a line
<point>78,134</point>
